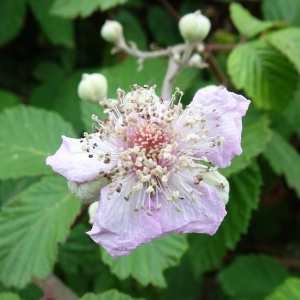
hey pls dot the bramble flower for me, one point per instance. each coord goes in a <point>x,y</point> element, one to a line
<point>161,161</point>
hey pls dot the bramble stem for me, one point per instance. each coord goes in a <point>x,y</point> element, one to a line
<point>56,288</point>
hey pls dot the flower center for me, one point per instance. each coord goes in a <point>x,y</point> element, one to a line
<point>150,137</point>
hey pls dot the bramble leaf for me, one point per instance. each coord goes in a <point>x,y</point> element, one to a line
<point>284,159</point>
<point>147,263</point>
<point>252,277</point>
<point>282,10</point>
<point>59,31</point>
<point>73,8</point>
<point>287,41</point>
<point>33,135</point>
<point>289,290</point>
<point>247,24</point>
<point>206,252</point>
<point>31,227</point>
<point>265,75</point>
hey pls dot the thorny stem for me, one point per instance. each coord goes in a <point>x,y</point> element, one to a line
<point>53,286</point>
<point>171,9</point>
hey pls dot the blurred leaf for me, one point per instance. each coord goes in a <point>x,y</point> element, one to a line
<point>125,74</point>
<point>287,41</point>
<point>266,76</point>
<point>158,15</point>
<point>79,255</point>
<point>284,159</point>
<point>245,23</point>
<point>108,295</point>
<point>88,109</point>
<point>11,188</point>
<point>292,112</point>
<point>283,10</point>
<point>59,32</point>
<point>9,296</point>
<point>8,99</point>
<point>73,8</point>
<point>289,290</point>
<point>33,135</point>
<point>255,136</point>
<point>12,15</point>
<point>147,263</point>
<point>206,252</point>
<point>252,277</point>
<point>30,229</point>
<point>58,92</point>
<point>179,279</point>
<point>132,29</point>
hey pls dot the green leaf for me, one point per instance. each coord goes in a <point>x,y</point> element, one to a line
<point>8,99</point>
<point>29,135</point>
<point>88,109</point>
<point>287,41</point>
<point>157,15</point>
<point>125,74</point>
<point>283,10</point>
<point>73,8</point>
<point>265,75</point>
<point>289,290</point>
<point>108,295</point>
<point>292,112</point>
<point>58,92</point>
<point>9,189</point>
<point>147,263</point>
<point>206,252</point>
<point>252,277</point>
<point>255,135</point>
<point>245,23</point>
<point>12,15</point>
<point>30,229</point>
<point>9,296</point>
<point>284,159</point>
<point>59,32</point>
<point>132,29</point>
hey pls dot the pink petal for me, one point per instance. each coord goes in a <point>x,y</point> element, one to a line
<point>75,164</point>
<point>203,215</point>
<point>118,228</point>
<point>226,121</point>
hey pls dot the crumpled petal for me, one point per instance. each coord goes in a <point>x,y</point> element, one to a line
<point>203,215</point>
<point>118,228</point>
<point>225,120</point>
<point>75,164</point>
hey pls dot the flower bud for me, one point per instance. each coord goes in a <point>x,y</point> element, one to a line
<point>140,96</point>
<point>210,88</point>
<point>195,60</point>
<point>93,209</point>
<point>89,191</point>
<point>111,31</point>
<point>194,27</point>
<point>93,88</point>
<point>219,182</point>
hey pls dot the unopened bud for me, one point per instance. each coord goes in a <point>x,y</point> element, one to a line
<point>111,31</point>
<point>93,209</point>
<point>194,27</point>
<point>93,88</point>
<point>89,191</point>
<point>219,182</point>
<point>195,60</point>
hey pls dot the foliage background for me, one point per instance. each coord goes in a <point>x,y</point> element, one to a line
<point>45,46</point>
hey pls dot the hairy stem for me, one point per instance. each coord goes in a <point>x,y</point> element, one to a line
<point>53,286</point>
